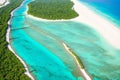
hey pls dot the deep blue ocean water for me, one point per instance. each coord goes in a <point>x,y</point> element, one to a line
<point>108,7</point>
<point>38,43</point>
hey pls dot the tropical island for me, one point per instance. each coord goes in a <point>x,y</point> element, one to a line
<point>52,9</point>
<point>70,42</point>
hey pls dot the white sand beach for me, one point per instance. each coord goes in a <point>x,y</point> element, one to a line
<point>4,3</point>
<point>10,48</point>
<point>108,30</point>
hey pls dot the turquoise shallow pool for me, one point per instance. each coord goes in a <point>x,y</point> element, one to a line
<point>39,44</point>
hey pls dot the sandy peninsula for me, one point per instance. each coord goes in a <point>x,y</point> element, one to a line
<point>108,30</point>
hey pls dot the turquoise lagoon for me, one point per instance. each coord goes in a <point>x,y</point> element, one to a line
<point>39,44</point>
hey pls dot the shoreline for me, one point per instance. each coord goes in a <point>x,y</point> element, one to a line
<point>20,59</point>
<point>104,27</point>
<point>104,15</point>
<point>110,33</point>
<point>5,3</point>
<point>107,30</point>
<point>82,70</point>
<point>42,19</point>
<point>27,72</point>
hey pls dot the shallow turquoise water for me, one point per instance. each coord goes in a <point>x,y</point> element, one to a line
<point>100,59</point>
<point>39,44</point>
<point>42,62</point>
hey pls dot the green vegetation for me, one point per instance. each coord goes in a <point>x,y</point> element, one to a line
<point>77,57</point>
<point>52,9</point>
<point>10,67</point>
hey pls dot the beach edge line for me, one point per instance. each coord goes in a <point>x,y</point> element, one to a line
<point>27,72</point>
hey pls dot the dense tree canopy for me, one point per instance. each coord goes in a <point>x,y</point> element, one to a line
<point>52,9</point>
<point>10,67</point>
